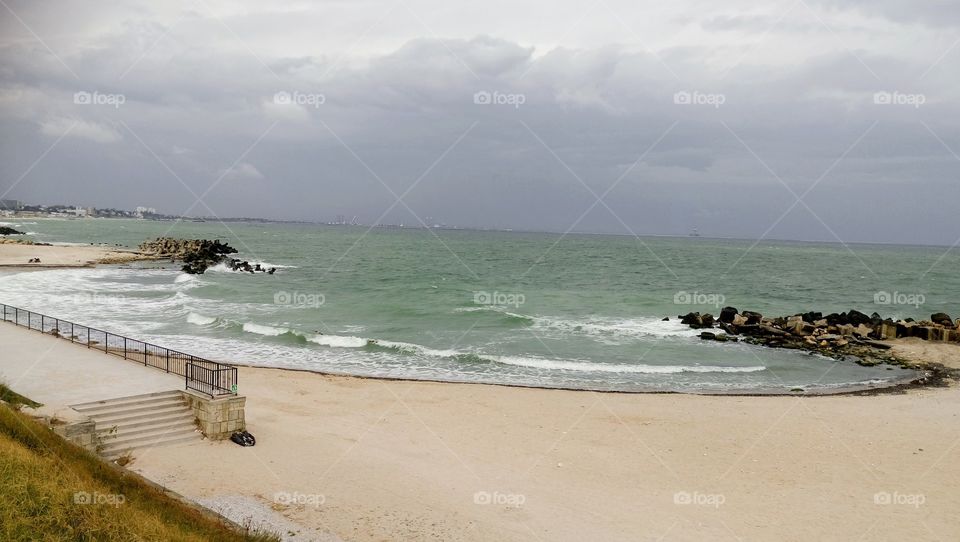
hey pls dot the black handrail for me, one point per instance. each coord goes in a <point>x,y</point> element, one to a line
<point>202,375</point>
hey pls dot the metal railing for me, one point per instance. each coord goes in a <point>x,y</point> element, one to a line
<point>202,375</point>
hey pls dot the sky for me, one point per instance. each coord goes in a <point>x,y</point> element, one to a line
<point>832,120</point>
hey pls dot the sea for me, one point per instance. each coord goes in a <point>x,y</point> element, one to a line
<point>575,311</point>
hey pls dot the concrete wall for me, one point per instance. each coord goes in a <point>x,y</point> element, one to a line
<point>81,433</point>
<point>218,418</point>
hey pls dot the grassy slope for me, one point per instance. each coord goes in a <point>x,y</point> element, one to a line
<point>9,396</point>
<point>40,473</point>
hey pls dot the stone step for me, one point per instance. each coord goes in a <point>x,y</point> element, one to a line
<point>148,440</point>
<point>137,409</point>
<point>122,400</point>
<point>120,418</point>
<point>115,453</point>
<point>102,407</point>
<point>185,416</point>
<point>108,435</point>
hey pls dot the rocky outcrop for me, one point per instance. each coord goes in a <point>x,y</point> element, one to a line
<point>6,230</point>
<point>243,266</point>
<point>835,335</point>
<point>197,254</point>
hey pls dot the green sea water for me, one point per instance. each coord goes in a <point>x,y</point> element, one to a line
<point>533,309</point>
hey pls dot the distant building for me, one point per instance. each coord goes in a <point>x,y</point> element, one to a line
<point>10,205</point>
<point>141,211</point>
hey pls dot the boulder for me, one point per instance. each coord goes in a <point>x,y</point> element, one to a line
<point>727,315</point>
<point>707,320</point>
<point>197,254</point>
<point>691,319</point>
<point>942,318</point>
<point>887,329</point>
<point>740,320</point>
<point>770,330</point>
<point>811,316</point>
<point>752,317</point>
<point>708,336</point>
<point>856,318</point>
<point>6,230</point>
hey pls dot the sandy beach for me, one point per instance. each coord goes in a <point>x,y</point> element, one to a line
<point>16,255</point>
<point>431,461</point>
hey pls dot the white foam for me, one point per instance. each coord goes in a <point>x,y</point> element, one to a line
<point>200,320</point>
<point>224,267</point>
<point>184,277</point>
<point>615,328</point>
<point>418,349</point>
<point>339,341</point>
<point>586,366</point>
<point>269,331</point>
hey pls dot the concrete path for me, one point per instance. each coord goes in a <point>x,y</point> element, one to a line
<point>57,373</point>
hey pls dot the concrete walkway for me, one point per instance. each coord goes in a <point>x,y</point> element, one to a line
<point>57,373</point>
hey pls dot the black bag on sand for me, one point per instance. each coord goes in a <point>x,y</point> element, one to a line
<point>243,438</point>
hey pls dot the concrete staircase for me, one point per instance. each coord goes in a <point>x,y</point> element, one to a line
<point>127,424</point>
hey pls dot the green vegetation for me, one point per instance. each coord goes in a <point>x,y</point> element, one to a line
<point>15,399</point>
<point>51,489</point>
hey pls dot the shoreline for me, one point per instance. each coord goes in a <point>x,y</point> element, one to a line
<point>935,378</point>
<point>379,459</point>
<point>15,256</point>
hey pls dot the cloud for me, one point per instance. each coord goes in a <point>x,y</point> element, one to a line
<point>68,127</point>
<point>399,107</point>
<point>244,171</point>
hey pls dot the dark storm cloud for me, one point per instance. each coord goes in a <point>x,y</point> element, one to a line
<point>490,131</point>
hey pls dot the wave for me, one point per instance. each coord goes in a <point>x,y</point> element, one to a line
<point>586,366</point>
<point>339,341</point>
<point>268,331</point>
<point>350,341</point>
<point>608,329</point>
<point>223,267</point>
<point>185,277</point>
<point>521,318</point>
<point>200,320</point>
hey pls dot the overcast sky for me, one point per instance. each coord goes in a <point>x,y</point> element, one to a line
<point>802,119</point>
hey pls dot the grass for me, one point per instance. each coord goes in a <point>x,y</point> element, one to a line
<point>51,489</point>
<point>15,399</point>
